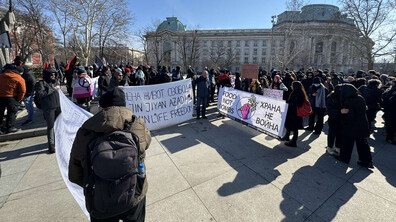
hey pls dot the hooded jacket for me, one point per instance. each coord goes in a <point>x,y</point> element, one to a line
<point>108,120</point>
<point>12,85</point>
<point>48,96</point>
<point>29,81</point>
<point>355,123</point>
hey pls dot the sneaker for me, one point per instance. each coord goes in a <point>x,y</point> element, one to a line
<point>331,151</point>
<point>12,130</point>
<point>367,165</point>
<point>26,122</point>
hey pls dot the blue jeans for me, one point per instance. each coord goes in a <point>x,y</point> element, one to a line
<point>203,101</point>
<point>28,101</point>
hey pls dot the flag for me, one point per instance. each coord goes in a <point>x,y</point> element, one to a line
<point>98,62</point>
<point>71,63</point>
<point>105,60</point>
<point>46,66</point>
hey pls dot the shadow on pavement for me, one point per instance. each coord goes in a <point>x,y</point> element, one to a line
<point>23,152</point>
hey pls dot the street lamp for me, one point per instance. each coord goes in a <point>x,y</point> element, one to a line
<point>272,39</point>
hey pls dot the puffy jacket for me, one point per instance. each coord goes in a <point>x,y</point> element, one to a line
<point>108,120</point>
<point>12,85</point>
<point>372,95</point>
<point>29,81</point>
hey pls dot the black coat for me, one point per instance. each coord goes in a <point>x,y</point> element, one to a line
<point>333,110</point>
<point>389,105</point>
<point>48,97</point>
<point>372,95</point>
<point>29,81</point>
<point>294,122</point>
<point>355,123</point>
<point>203,87</point>
<point>307,83</point>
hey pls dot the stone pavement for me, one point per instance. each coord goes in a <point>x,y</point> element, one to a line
<point>217,170</point>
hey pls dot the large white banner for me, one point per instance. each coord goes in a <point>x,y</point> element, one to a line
<point>66,127</point>
<point>260,112</point>
<point>161,105</point>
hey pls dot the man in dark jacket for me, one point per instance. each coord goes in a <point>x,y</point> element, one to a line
<point>177,75</point>
<point>28,99</point>
<point>113,116</point>
<point>12,91</point>
<point>48,97</point>
<point>104,80</point>
<point>355,126</point>
<point>203,92</point>
<point>307,83</point>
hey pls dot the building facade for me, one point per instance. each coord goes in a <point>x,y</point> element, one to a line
<point>318,36</point>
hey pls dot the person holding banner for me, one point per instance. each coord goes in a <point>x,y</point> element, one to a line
<point>293,122</point>
<point>48,97</point>
<point>203,92</point>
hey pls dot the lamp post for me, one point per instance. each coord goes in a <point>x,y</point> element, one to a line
<point>272,40</point>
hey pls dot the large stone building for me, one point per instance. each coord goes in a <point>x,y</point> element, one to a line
<point>317,36</point>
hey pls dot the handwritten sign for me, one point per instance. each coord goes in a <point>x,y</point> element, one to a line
<point>250,71</point>
<point>274,93</point>
<point>161,105</point>
<point>259,112</point>
<point>66,127</point>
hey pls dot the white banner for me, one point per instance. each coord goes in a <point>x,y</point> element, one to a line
<point>161,105</point>
<point>66,127</point>
<point>260,112</point>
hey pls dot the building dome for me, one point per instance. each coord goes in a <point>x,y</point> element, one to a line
<point>172,24</point>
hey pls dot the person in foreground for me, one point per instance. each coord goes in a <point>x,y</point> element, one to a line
<point>107,160</point>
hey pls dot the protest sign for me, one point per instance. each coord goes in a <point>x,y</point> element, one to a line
<point>274,93</point>
<point>250,71</point>
<point>66,126</point>
<point>161,105</point>
<point>260,112</point>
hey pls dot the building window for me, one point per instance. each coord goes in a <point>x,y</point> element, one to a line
<point>333,52</point>
<point>229,44</point>
<point>254,60</point>
<point>292,46</point>
<point>255,43</point>
<point>220,43</point>
<point>212,51</point>
<point>247,43</point>
<point>237,59</point>
<point>319,48</point>
<point>213,43</point>
<point>238,51</point>
<point>281,43</point>
<point>246,61</point>
<point>263,60</point>
<point>205,52</point>
<point>254,51</point>
<point>264,43</point>
<point>237,69</point>
<point>246,51</point>
<point>264,52</point>
<point>205,43</point>
<point>238,43</point>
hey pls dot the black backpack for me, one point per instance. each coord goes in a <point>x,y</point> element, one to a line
<point>111,182</point>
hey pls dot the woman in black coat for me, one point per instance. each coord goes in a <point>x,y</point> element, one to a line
<point>333,103</point>
<point>293,122</point>
<point>355,126</point>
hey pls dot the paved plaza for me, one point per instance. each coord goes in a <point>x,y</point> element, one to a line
<point>217,170</point>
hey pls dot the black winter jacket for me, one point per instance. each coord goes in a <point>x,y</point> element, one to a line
<point>355,123</point>
<point>48,97</point>
<point>29,81</point>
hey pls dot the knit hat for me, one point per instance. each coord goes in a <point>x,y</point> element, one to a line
<point>127,70</point>
<point>114,97</point>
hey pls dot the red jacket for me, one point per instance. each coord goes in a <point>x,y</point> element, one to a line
<point>12,85</point>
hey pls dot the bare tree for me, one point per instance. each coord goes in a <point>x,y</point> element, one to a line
<point>295,5</point>
<point>23,37</point>
<point>188,44</point>
<point>217,53</point>
<point>375,21</point>
<point>61,12</point>
<point>40,26</point>
<point>113,25</point>
<point>229,58</point>
<point>154,41</point>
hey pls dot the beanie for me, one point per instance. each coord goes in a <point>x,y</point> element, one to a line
<point>127,70</point>
<point>114,97</point>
